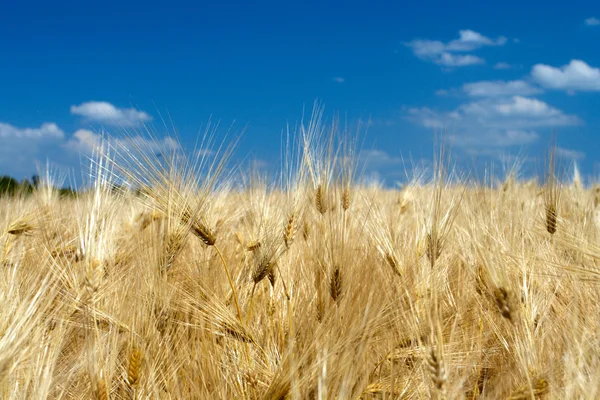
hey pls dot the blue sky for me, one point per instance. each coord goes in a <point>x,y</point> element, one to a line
<point>501,79</point>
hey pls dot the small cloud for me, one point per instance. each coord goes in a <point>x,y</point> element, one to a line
<point>104,112</point>
<point>502,139</point>
<point>442,92</point>
<point>379,166</point>
<point>46,130</point>
<point>503,65</point>
<point>259,164</point>
<point>469,40</point>
<point>384,168</point>
<point>575,76</point>
<point>429,118</point>
<point>339,79</point>
<point>426,49</point>
<point>21,148</point>
<point>570,154</point>
<point>378,158</point>
<point>592,21</point>
<point>87,142</point>
<point>84,141</point>
<point>500,88</point>
<point>204,153</point>
<point>493,123</point>
<point>445,54</point>
<point>452,60</point>
<point>533,109</point>
<point>507,66</point>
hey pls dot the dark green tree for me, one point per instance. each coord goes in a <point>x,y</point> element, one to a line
<point>8,185</point>
<point>26,187</point>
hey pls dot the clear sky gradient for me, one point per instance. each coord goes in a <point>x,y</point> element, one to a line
<point>500,77</point>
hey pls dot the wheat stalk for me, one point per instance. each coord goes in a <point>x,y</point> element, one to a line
<point>289,231</point>
<point>539,389</point>
<point>437,372</point>
<point>134,369</point>
<point>320,200</point>
<point>335,284</point>
<point>101,391</point>
<point>505,303</point>
<point>346,199</point>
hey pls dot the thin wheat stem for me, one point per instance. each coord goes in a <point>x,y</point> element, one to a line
<point>235,297</point>
<point>250,305</point>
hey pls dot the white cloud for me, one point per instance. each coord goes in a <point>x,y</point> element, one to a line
<point>339,79</point>
<point>495,122</point>
<point>496,139</point>
<point>592,21</point>
<point>575,76</point>
<point>570,154</point>
<point>429,118</point>
<point>445,53</point>
<point>499,88</point>
<point>453,60</point>
<point>523,106</point>
<point>46,130</point>
<point>517,113</point>
<point>22,148</point>
<point>427,49</point>
<point>381,166</point>
<point>102,111</point>
<point>374,158</point>
<point>470,40</point>
<point>503,65</point>
<point>86,142</point>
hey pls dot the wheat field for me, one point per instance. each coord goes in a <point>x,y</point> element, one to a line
<point>204,284</point>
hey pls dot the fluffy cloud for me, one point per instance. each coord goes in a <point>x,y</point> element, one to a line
<point>454,60</point>
<point>429,118</point>
<point>445,53</point>
<point>517,112</point>
<point>495,139</point>
<point>46,130</point>
<point>427,49</point>
<point>503,65</point>
<point>86,142</point>
<point>592,21</point>
<point>520,106</point>
<point>375,159</point>
<point>381,167</point>
<point>575,76</point>
<point>499,88</point>
<point>570,154</point>
<point>22,148</point>
<point>494,122</point>
<point>104,112</point>
<point>470,40</point>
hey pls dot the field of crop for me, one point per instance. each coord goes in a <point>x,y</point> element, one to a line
<point>200,284</point>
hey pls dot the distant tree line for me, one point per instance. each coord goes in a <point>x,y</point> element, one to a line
<point>9,186</point>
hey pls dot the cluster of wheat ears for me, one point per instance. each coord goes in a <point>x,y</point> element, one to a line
<point>204,284</point>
